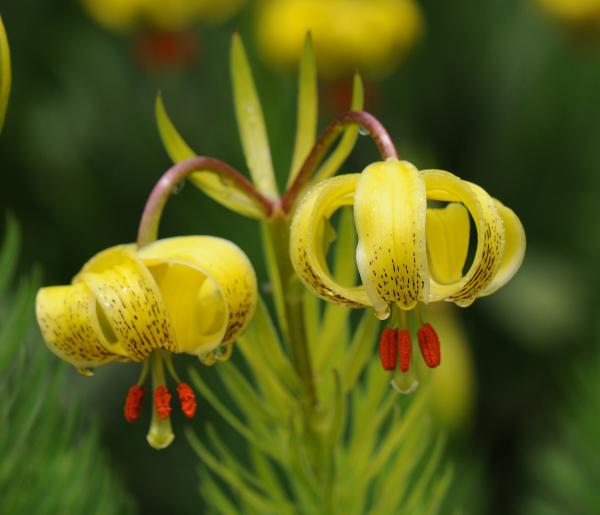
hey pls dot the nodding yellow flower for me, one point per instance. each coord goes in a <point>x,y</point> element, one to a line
<point>413,232</point>
<point>348,34</point>
<point>191,295</point>
<point>171,15</point>
<point>575,12</point>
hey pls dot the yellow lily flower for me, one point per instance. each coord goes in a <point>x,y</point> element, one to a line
<point>348,34</point>
<point>408,252</point>
<point>158,14</point>
<point>191,295</point>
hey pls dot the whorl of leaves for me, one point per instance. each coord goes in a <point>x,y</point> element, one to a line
<point>50,461</point>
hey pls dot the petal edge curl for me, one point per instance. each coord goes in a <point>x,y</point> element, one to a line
<point>307,235</point>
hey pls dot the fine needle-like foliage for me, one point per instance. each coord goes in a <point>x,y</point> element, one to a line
<point>377,452</point>
<point>51,462</point>
<point>316,426</point>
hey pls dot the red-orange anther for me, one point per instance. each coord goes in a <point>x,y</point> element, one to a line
<point>404,349</point>
<point>162,401</point>
<point>430,345</point>
<point>388,349</point>
<point>133,402</point>
<point>187,399</point>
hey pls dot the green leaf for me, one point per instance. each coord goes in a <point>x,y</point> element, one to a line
<point>43,442</point>
<point>261,342</point>
<point>246,493</point>
<point>346,144</point>
<point>219,499</point>
<point>253,406</point>
<point>251,122</point>
<point>361,350</point>
<point>335,319</point>
<point>9,252</point>
<point>226,413</point>
<point>5,73</point>
<point>17,324</point>
<point>216,187</point>
<point>307,112</point>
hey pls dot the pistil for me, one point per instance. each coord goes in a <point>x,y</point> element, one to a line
<point>160,434</point>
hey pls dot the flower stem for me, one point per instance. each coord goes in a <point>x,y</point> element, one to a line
<point>361,118</point>
<point>290,289</point>
<point>148,230</point>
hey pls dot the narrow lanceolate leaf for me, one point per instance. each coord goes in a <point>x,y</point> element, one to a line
<point>9,252</point>
<point>346,144</point>
<point>5,73</point>
<point>220,190</point>
<point>251,123</point>
<point>306,121</point>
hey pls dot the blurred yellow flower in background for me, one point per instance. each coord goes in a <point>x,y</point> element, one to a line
<point>171,15</point>
<point>5,73</point>
<point>369,36</point>
<point>576,12</point>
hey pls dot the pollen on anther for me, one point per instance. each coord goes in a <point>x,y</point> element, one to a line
<point>388,349</point>
<point>133,402</point>
<point>187,399</point>
<point>404,349</point>
<point>429,343</point>
<point>162,401</point>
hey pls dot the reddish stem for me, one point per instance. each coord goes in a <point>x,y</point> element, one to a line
<point>361,118</point>
<point>148,230</point>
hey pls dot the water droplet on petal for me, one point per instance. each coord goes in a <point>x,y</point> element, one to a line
<point>87,372</point>
<point>383,314</point>
<point>362,131</point>
<point>404,383</point>
<point>208,358</point>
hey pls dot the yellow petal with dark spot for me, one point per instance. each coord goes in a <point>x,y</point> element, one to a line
<point>447,242</point>
<point>308,242</point>
<point>73,328</point>
<point>131,300</point>
<point>208,286</point>
<point>514,249</point>
<point>389,213</point>
<point>447,187</point>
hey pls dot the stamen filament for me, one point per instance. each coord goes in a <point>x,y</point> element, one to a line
<point>144,373</point>
<point>170,368</point>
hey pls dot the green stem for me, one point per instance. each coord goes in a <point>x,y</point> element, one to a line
<point>288,299</point>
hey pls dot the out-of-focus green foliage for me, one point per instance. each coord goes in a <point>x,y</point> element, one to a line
<point>564,465</point>
<point>51,462</point>
<point>376,452</point>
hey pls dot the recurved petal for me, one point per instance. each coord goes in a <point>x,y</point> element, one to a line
<point>447,242</point>
<point>131,300</point>
<point>514,249</point>
<point>74,326</point>
<point>389,213</point>
<point>447,187</point>
<point>208,286</point>
<point>308,240</point>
